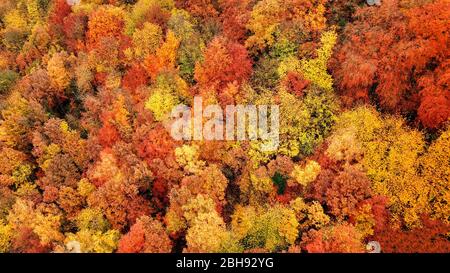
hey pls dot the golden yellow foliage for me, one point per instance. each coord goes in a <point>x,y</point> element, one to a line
<point>391,159</point>
<point>137,14</point>
<point>307,174</point>
<point>364,220</point>
<point>21,174</point>
<point>95,241</point>
<point>268,20</point>
<point>207,231</point>
<point>47,227</point>
<point>206,234</point>
<point>165,56</point>
<point>261,180</point>
<point>165,94</point>
<point>14,122</point>
<point>294,118</point>
<point>161,103</point>
<point>175,222</point>
<point>199,205</point>
<point>46,224</point>
<point>315,70</point>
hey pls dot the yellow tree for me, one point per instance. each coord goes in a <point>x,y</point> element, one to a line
<point>94,233</point>
<point>268,20</point>
<point>272,228</point>
<point>164,58</point>
<point>145,41</point>
<point>314,70</point>
<point>167,92</point>
<point>207,231</point>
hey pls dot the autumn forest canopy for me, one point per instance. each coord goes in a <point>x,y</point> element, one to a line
<point>88,165</point>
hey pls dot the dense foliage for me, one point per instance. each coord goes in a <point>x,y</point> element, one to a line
<point>87,163</point>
